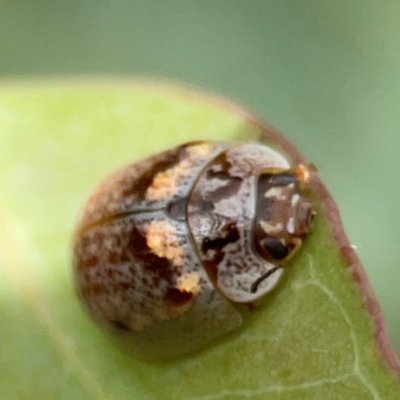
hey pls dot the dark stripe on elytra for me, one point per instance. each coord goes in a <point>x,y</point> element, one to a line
<point>177,209</point>
<point>115,217</point>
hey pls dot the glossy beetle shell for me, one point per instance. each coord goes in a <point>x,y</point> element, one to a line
<point>167,246</point>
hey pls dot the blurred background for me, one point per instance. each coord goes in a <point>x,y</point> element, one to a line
<point>325,73</point>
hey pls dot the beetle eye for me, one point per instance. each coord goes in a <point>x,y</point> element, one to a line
<point>275,248</point>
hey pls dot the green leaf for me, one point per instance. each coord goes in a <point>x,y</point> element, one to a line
<point>319,335</point>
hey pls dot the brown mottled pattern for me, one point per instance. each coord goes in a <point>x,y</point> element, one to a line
<point>135,265</point>
<point>122,280</point>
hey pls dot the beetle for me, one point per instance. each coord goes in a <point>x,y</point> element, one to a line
<point>168,247</point>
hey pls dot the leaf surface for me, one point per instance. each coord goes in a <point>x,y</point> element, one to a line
<point>318,335</point>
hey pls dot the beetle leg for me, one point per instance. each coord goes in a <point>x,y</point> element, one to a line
<point>256,283</point>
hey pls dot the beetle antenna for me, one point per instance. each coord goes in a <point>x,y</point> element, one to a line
<point>256,283</point>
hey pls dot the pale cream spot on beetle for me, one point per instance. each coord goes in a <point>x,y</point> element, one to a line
<point>271,229</point>
<point>189,282</point>
<point>290,225</point>
<point>199,151</point>
<point>162,239</point>
<point>166,183</point>
<point>295,199</point>
<point>277,193</point>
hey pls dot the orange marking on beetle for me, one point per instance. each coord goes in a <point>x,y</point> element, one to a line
<point>166,183</point>
<point>302,173</point>
<point>199,151</point>
<point>189,282</point>
<point>162,239</point>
